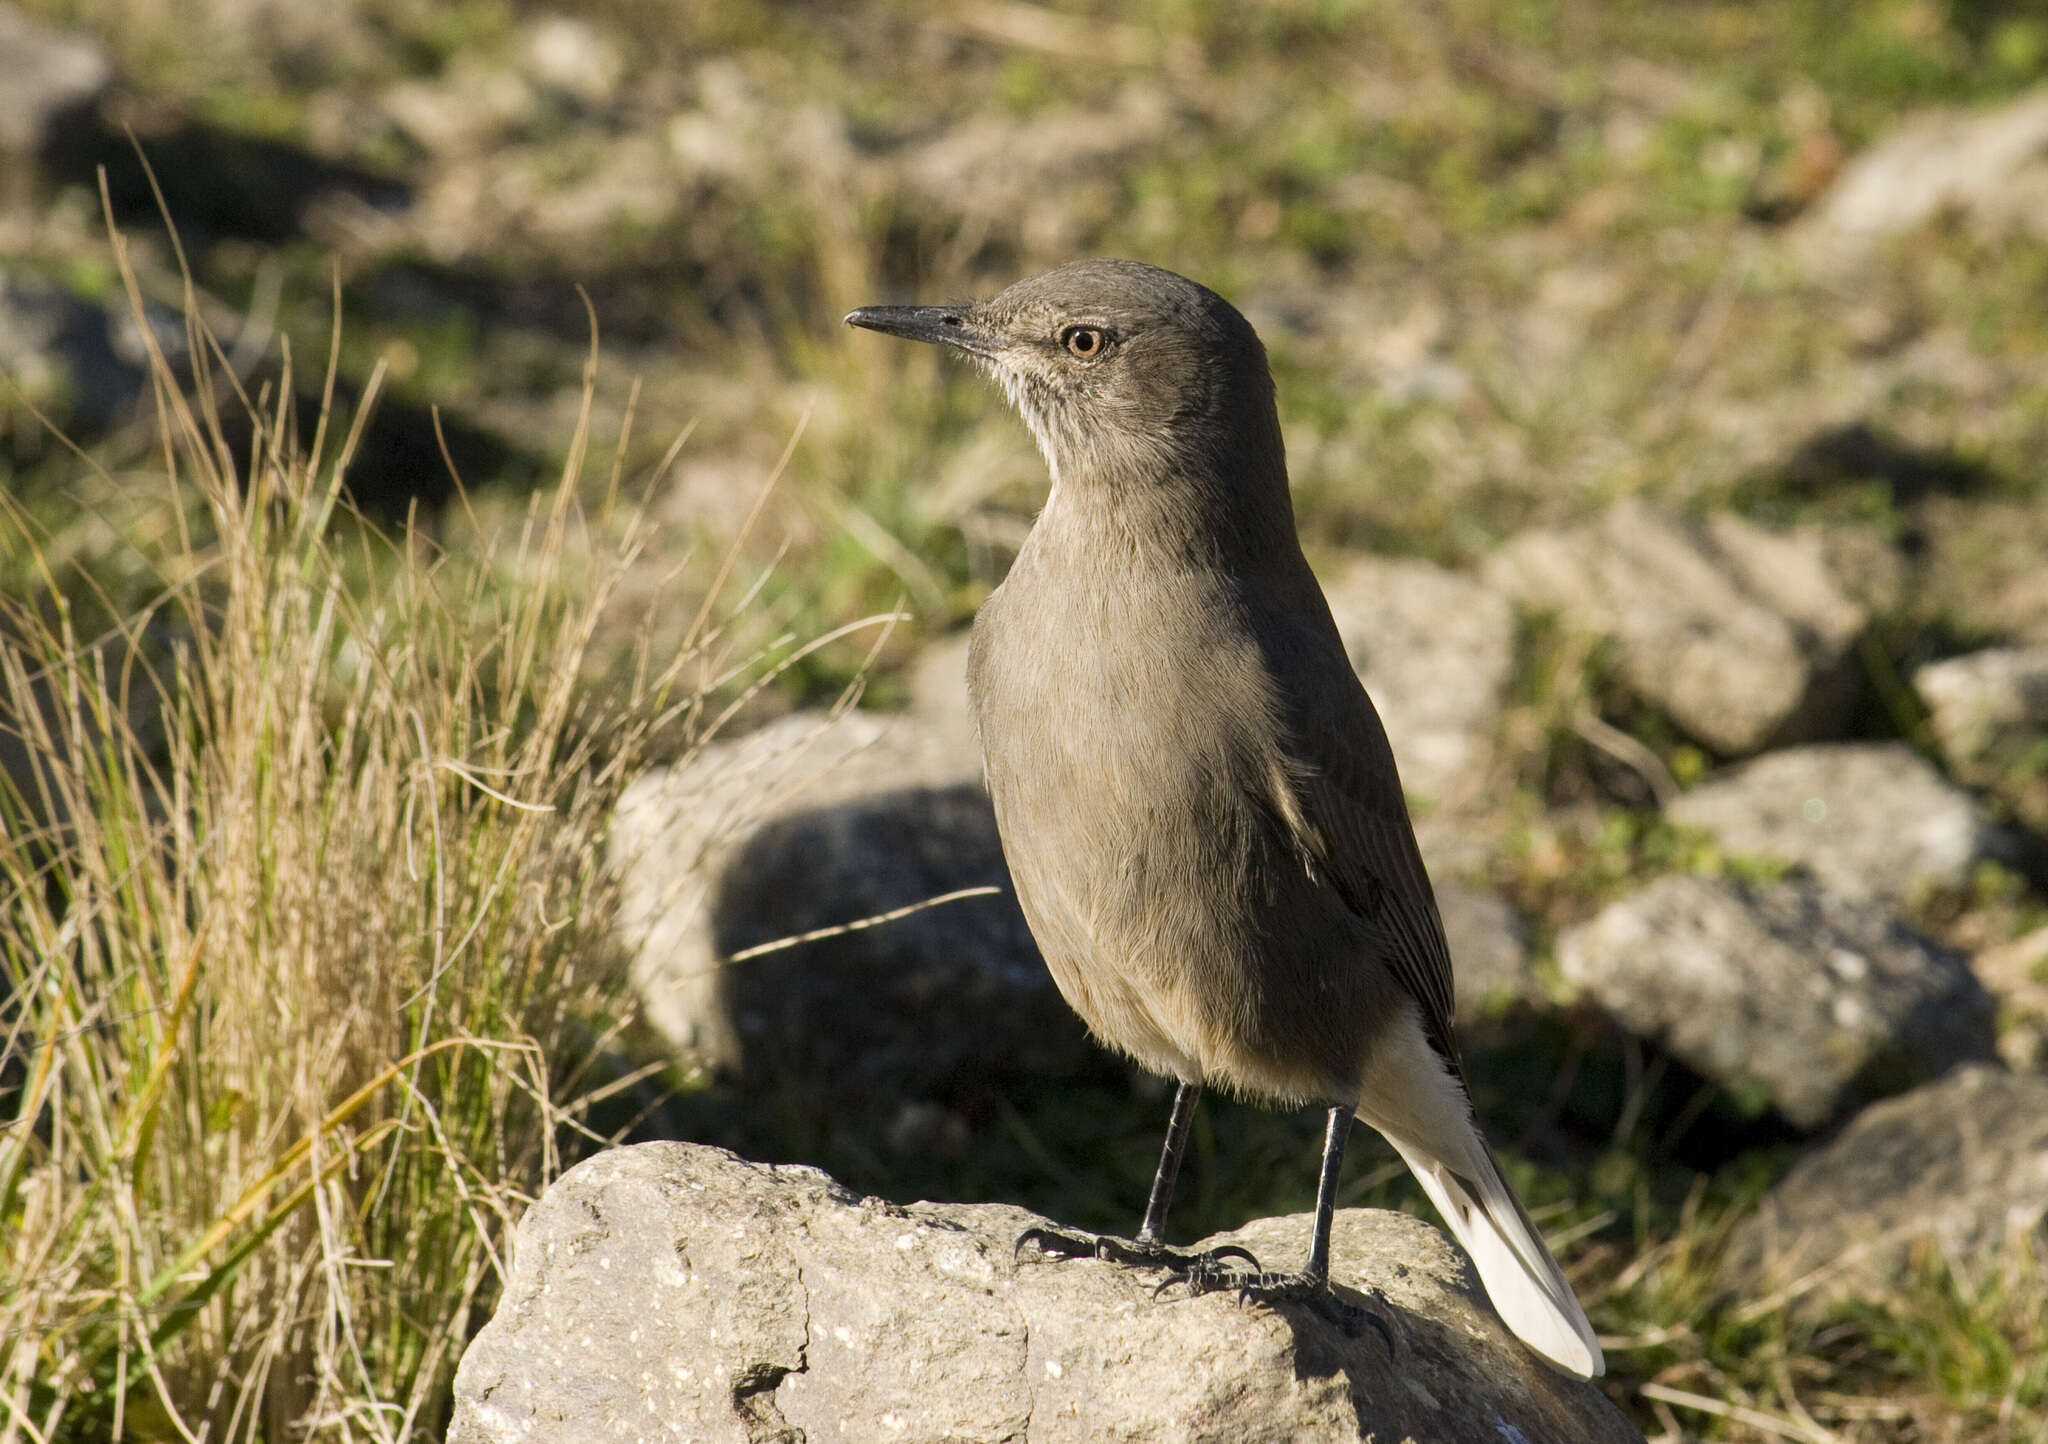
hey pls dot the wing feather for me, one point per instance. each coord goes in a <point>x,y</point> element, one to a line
<point>1344,807</point>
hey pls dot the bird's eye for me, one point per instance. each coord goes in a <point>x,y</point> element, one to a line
<point>1087,342</point>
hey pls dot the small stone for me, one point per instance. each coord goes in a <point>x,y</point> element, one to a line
<point>1985,702</point>
<point>1990,167</point>
<point>575,58</point>
<point>470,109</point>
<point>1818,1000</point>
<point>1959,1166</point>
<point>1865,819</point>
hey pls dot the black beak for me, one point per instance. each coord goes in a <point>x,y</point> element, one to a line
<point>940,325</point>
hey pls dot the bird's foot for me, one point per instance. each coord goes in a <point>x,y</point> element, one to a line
<point>1131,1253</point>
<point>1310,1289</point>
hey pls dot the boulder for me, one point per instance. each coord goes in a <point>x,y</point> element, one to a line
<point>1987,702</point>
<point>1866,819</point>
<point>1959,1166</point>
<point>833,825</point>
<point>671,1291</point>
<point>1815,1000</point>
<point>1740,635</point>
<point>1436,650</point>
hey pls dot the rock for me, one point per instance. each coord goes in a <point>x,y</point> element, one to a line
<point>1739,634</point>
<point>1989,701</point>
<point>670,1291</point>
<point>1959,1166</point>
<point>1489,949</point>
<point>1816,1000</point>
<point>1988,166</point>
<point>573,58</point>
<point>1436,650</point>
<point>50,81</point>
<point>814,822</point>
<point>1866,819</point>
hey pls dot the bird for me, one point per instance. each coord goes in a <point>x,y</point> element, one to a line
<point>1198,805</point>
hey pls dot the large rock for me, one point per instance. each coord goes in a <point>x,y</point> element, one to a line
<point>1866,819</point>
<point>1436,649</point>
<point>1959,1166</point>
<point>1739,634</point>
<point>678,1292</point>
<point>810,824</point>
<point>1816,1000</point>
<point>1985,702</point>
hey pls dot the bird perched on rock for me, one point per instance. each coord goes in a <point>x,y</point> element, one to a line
<point>1198,804</point>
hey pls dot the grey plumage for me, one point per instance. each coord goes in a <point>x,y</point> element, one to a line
<point>1199,806</point>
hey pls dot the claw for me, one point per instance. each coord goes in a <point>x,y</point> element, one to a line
<point>1201,1276</point>
<point>1131,1253</point>
<point>1059,1245</point>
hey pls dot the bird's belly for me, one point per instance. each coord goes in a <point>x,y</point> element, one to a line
<point>1168,917</point>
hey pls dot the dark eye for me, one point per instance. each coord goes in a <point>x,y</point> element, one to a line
<point>1087,342</point>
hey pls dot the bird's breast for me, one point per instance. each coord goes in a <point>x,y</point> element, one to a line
<point>1118,743</point>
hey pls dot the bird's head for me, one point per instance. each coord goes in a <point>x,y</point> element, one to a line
<point>1124,372</point>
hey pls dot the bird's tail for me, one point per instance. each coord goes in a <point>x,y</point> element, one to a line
<point>1420,1104</point>
<point>1522,1279</point>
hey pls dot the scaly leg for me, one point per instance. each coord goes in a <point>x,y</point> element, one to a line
<point>1312,1285</point>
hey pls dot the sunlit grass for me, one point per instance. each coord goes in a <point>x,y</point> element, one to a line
<point>303,934</point>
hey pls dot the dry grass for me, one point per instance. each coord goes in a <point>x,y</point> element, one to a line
<point>302,938</point>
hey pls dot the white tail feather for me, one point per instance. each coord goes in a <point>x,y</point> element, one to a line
<point>1523,1281</point>
<point>1418,1103</point>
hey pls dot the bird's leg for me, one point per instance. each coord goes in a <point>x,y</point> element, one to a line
<point>1336,1132</point>
<point>1153,1230</point>
<point>1148,1249</point>
<point>1312,1285</point>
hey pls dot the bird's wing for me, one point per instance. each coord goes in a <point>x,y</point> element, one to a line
<point>1349,824</point>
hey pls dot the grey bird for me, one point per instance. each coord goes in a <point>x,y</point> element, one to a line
<point>1198,804</point>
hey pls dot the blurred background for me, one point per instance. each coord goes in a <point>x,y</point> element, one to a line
<point>1665,386</point>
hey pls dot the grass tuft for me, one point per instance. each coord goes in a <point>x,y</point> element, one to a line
<point>303,933</point>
